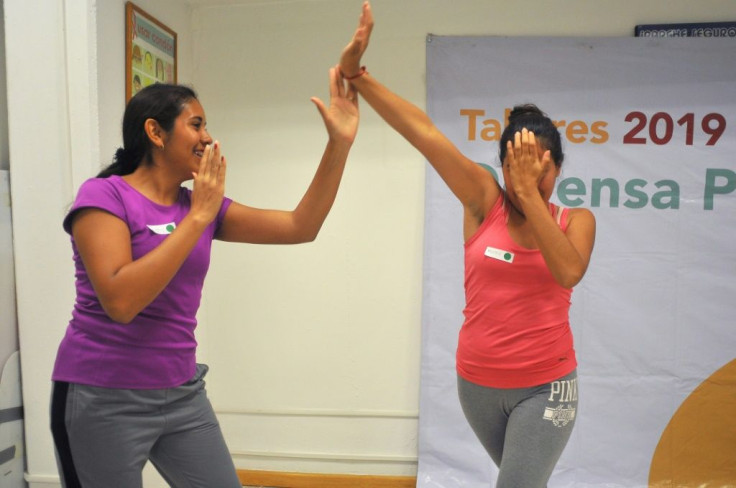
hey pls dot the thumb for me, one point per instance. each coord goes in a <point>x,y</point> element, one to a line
<point>320,106</point>
<point>546,158</point>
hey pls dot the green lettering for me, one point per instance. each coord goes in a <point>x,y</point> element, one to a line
<point>571,187</point>
<point>598,185</point>
<point>633,189</point>
<point>711,188</point>
<point>667,199</point>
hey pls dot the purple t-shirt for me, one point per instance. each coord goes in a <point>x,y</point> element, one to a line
<point>157,348</point>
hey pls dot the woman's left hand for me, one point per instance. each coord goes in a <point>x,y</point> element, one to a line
<point>526,165</point>
<point>341,117</point>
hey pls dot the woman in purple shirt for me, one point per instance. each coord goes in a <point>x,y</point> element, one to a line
<point>127,388</point>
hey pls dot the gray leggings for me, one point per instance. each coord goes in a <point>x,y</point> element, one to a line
<point>104,436</point>
<point>524,430</point>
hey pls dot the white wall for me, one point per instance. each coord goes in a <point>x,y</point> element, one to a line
<point>8,326</point>
<point>40,172</point>
<point>54,116</point>
<point>314,349</point>
<point>4,163</point>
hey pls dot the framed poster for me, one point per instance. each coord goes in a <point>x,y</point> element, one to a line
<point>150,51</point>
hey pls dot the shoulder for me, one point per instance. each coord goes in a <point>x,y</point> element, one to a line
<point>580,218</point>
<point>99,188</point>
<point>580,213</point>
<point>101,193</point>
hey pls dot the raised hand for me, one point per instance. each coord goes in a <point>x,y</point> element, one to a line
<point>341,117</point>
<point>351,54</point>
<point>209,184</point>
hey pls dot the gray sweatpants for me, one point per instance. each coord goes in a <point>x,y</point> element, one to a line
<point>524,430</point>
<point>104,436</point>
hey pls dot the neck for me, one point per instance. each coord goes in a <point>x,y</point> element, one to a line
<point>156,184</point>
<point>513,213</point>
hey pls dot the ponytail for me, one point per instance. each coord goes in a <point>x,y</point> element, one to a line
<point>123,164</point>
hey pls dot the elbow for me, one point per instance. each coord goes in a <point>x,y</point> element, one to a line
<point>119,312</point>
<point>120,318</point>
<point>568,283</point>
<point>305,234</point>
<point>306,237</point>
<point>570,279</point>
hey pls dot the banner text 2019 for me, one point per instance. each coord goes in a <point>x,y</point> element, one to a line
<point>659,128</point>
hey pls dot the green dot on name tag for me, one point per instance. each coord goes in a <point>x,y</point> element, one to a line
<point>500,254</point>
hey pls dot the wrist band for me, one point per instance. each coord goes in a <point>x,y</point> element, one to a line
<point>360,73</point>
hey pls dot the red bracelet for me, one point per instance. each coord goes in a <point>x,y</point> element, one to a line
<point>360,73</point>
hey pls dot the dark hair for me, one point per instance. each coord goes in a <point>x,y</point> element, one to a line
<point>161,102</point>
<point>534,120</point>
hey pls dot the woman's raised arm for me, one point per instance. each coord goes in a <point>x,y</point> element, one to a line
<point>248,224</point>
<point>470,183</point>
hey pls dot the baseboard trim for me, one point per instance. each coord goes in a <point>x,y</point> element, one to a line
<point>279,479</point>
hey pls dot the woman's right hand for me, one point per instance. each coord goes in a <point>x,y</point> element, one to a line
<point>209,185</point>
<point>350,58</point>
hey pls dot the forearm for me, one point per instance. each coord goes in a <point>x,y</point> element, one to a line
<point>467,180</point>
<point>403,116</point>
<point>312,210</point>
<point>136,284</point>
<point>562,258</point>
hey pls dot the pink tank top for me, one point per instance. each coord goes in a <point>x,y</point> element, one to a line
<point>516,332</point>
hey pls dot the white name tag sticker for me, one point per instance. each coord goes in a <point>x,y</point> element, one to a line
<point>500,254</point>
<point>163,229</point>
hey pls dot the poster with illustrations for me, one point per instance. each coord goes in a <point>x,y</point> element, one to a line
<point>150,51</point>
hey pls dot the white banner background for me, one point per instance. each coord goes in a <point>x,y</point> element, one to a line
<point>654,316</point>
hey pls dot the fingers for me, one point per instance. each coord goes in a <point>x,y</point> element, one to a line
<point>337,81</point>
<point>547,159</point>
<point>366,18</point>
<point>352,94</point>
<point>531,141</point>
<point>209,183</point>
<point>351,54</point>
<point>365,22</point>
<point>335,86</point>
<point>222,172</point>
<point>320,106</point>
<point>510,155</point>
<point>217,162</point>
<point>338,91</point>
<point>338,87</point>
<point>211,163</point>
<point>525,144</point>
<point>203,163</point>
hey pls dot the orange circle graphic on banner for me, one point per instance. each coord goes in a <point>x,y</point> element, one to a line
<point>697,446</point>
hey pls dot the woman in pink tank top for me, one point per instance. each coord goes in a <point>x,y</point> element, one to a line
<point>515,362</point>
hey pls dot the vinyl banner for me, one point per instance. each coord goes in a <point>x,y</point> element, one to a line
<point>649,135</point>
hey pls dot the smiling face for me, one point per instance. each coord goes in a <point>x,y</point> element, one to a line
<point>185,143</point>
